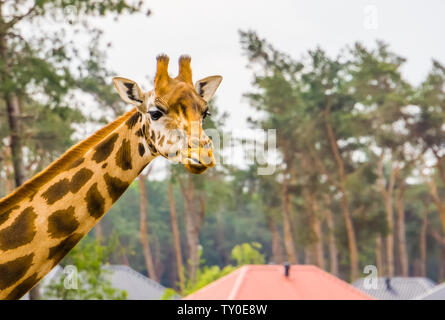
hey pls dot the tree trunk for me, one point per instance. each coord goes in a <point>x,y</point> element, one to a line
<point>13,111</point>
<point>308,255</point>
<point>389,243</point>
<point>317,243</point>
<point>193,224</point>
<point>287,230</point>
<point>9,180</point>
<point>176,239</point>
<point>401,234</point>
<point>436,199</point>
<point>220,238</point>
<point>441,273</point>
<point>352,242</point>
<point>9,177</point>
<point>333,254</point>
<point>441,254</point>
<point>13,115</point>
<point>124,259</point>
<point>99,232</point>
<point>422,241</point>
<point>441,206</point>
<point>379,254</point>
<point>387,188</point>
<point>143,230</point>
<point>121,252</point>
<point>277,252</point>
<point>157,259</point>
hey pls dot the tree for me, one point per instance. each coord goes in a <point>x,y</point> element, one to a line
<point>247,253</point>
<point>427,127</point>
<point>382,91</point>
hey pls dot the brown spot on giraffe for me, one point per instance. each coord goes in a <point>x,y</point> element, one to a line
<point>123,156</point>
<point>80,178</point>
<point>104,165</point>
<point>140,132</point>
<point>62,223</point>
<point>20,232</point>
<point>95,202</point>
<point>60,250</point>
<point>104,149</point>
<point>115,186</point>
<point>5,215</point>
<point>23,287</point>
<point>133,120</point>
<point>60,189</point>
<point>12,271</point>
<point>57,191</point>
<point>141,149</point>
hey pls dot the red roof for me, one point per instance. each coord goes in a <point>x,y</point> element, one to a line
<point>268,282</point>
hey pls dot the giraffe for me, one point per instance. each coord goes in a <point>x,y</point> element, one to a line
<point>41,221</point>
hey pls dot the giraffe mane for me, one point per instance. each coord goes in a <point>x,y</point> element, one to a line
<point>29,188</point>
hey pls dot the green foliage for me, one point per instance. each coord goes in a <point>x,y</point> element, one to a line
<point>47,70</point>
<point>93,280</point>
<point>247,253</point>
<point>169,294</point>
<point>207,275</point>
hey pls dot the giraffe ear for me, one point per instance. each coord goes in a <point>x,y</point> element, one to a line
<point>206,87</point>
<point>130,92</point>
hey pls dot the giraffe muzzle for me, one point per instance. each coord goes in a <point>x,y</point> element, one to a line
<point>197,160</point>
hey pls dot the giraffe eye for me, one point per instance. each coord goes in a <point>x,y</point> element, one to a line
<point>155,115</point>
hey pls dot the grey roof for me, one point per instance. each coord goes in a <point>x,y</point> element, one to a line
<point>138,286</point>
<point>395,288</point>
<point>436,293</point>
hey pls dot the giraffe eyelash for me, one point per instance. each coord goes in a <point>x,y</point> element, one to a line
<point>206,113</point>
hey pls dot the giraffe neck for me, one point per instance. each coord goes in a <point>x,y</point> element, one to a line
<point>40,228</point>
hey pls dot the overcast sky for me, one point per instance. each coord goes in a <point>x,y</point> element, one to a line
<point>208,31</point>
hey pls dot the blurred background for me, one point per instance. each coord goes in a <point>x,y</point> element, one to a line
<point>354,89</point>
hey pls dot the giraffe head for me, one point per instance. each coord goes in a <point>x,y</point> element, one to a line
<point>174,111</point>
